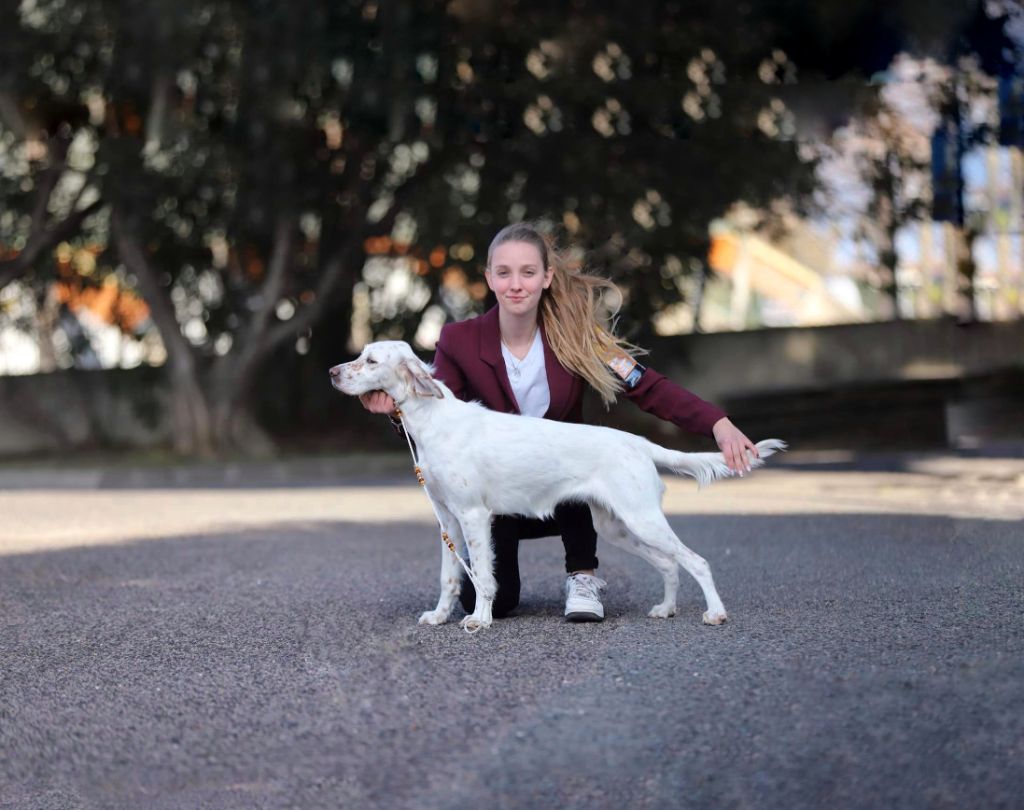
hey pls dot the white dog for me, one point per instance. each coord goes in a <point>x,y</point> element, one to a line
<point>479,463</point>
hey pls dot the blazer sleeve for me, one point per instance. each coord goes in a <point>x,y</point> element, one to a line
<point>663,398</point>
<point>446,369</point>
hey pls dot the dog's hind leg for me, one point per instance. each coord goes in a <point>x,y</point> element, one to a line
<point>653,529</point>
<point>476,526</point>
<point>610,528</point>
<point>451,577</point>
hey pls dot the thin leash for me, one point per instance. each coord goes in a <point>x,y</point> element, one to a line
<point>423,483</point>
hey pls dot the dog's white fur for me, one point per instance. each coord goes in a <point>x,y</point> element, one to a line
<point>479,463</point>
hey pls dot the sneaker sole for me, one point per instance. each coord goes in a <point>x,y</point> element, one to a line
<point>580,617</point>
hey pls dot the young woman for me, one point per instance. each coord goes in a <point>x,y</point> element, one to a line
<point>533,354</point>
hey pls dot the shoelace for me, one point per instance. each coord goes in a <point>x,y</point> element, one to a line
<point>587,585</point>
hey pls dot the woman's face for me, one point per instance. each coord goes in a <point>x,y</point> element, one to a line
<point>517,277</point>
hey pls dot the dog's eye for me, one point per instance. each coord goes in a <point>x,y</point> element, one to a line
<point>371,361</point>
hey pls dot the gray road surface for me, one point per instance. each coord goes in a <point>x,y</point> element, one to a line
<point>256,647</point>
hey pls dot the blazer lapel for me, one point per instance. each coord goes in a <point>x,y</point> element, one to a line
<point>490,353</point>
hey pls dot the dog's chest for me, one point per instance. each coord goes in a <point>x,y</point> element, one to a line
<point>448,475</point>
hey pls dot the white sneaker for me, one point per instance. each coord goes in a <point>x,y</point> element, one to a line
<point>583,598</point>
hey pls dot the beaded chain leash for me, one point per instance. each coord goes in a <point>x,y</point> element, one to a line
<point>423,483</point>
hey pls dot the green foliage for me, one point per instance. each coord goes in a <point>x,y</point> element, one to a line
<point>210,122</point>
<point>630,137</point>
<point>215,126</point>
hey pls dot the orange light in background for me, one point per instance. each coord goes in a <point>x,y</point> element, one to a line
<point>437,256</point>
<point>35,149</point>
<point>62,290</point>
<point>377,245</point>
<point>131,310</point>
<point>102,300</point>
<point>723,252</point>
<point>454,278</point>
<point>334,133</point>
<point>253,265</point>
<point>478,290</point>
<point>108,302</point>
<point>420,267</point>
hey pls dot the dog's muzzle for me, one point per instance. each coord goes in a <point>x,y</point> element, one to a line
<point>336,377</point>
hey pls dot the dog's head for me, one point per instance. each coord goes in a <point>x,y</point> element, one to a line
<point>389,366</point>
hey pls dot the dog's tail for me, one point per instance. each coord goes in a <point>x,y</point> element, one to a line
<point>708,467</point>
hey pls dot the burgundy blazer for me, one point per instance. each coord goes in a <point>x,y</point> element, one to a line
<point>468,360</point>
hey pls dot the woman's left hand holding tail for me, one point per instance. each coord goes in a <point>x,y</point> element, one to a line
<point>734,445</point>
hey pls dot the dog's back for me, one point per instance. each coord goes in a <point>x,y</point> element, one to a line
<point>526,465</point>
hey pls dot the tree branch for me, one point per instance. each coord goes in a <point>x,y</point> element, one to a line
<point>156,120</point>
<point>40,242</point>
<point>161,308</point>
<point>193,421</point>
<point>334,271</point>
<point>341,261</point>
<point>11,116</point>
<point>273,284</point>
<point>257,341</point>
<point>47,183</point>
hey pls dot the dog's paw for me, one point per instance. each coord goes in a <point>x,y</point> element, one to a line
<point>662,611</point>
<point>715,618</point>
<point>473,623</point>
<point>433,617</point>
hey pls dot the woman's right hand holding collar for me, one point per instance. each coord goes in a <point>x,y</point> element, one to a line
<point>377,402</point>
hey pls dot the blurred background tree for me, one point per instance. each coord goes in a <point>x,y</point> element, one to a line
<point>281,180</point>
<point>223,160</point>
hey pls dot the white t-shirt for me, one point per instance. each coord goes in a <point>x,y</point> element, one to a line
<point>529,378</point>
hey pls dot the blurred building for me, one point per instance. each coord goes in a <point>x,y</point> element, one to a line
<point>758,284</point>
<point>815,275</point>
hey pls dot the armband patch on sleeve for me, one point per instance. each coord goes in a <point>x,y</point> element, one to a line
<point>623,366</point>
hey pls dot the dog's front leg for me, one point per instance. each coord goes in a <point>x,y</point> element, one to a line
<point>451,578</point>
<point>476,527</point>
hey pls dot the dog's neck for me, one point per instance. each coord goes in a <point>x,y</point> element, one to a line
<point>417,411</point>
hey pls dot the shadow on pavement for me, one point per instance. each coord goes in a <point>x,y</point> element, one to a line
<point>870,660</point>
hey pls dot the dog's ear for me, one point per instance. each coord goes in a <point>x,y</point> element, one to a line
<point>417,377</point>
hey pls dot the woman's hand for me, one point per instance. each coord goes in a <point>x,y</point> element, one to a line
<point>734,445</point>
<point>377,402</point>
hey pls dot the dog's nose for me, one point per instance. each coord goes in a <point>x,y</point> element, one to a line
<point>335,372</point>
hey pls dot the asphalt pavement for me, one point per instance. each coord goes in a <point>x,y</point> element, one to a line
<point>184,642</point>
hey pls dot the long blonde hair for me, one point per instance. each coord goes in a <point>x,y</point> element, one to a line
<point>572,311</point>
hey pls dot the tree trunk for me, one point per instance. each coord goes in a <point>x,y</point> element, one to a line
<point>966,311</point>
<point>43,239</point>
<point>232,383</point>
<point>888,259</point>
<point>233,378</point>
<point>886,224</point>
<point>47,315</point>
<point>190,409</point>
<point>190,413</point>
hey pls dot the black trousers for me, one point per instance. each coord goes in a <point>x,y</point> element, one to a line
<point>571,520</point>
